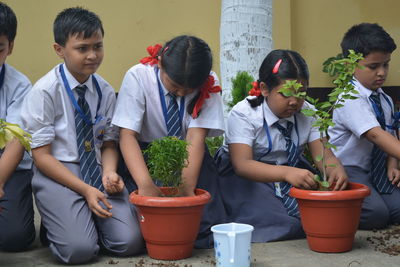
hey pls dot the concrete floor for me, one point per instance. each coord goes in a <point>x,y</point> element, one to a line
<point>282,254</point>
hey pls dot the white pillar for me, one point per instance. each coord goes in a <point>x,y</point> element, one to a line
<point>245,38</point>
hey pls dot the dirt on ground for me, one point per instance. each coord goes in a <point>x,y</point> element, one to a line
<point>386,241</point>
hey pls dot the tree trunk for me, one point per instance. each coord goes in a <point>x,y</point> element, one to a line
<point>245,38</point>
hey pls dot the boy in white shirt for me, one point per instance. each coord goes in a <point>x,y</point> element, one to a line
<point>68,112</point>
<point>364,134</point>
<point>17,230</point>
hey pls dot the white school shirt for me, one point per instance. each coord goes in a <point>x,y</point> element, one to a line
<point>14,89</point>
<point>351,121</point>
<point>49,115</point>
<point>139,107</point>
<point>245,126</point>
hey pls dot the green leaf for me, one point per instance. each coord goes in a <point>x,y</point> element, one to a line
<point>318,158</point>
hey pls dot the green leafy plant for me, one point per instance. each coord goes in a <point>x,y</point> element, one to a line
<point>166,157</point>
<point>9,131</point>
<point>213,143</point>
<point>241,85</point>
<point>342,69</point>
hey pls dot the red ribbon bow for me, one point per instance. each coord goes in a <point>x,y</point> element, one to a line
<point>208,87</point>
<point>255,91</point>
<point>153,52</point>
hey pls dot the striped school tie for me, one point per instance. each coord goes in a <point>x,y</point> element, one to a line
<point>289,202</point>
<point>90,170</point>
<point>378,162</point>
<point>173,123</point>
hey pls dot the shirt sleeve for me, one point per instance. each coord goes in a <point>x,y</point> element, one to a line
<point>211,115</point>
<point>111,132</point>
<point>15,106</point>
<point>38,117</point>
<point>239,128</point>
<point>357,116</point>
<point>130,107</point>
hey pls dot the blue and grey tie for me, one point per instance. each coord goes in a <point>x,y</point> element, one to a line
<point>289,202</point>
<point>90,170</point>
<point>378,162</point>
<point>173,123</point>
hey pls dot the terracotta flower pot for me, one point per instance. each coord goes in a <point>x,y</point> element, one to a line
<point>330,218</point>
<point>170,224</point>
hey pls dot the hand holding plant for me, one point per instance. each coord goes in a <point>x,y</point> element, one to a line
<point>8,131</point>
<point>343,69</point>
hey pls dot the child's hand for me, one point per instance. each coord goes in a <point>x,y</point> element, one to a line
<point>150,190</point>
<point>300,178</point>
<point>394,176</point>
<point>112,182</point>
<point>337,176</point>
<point>93,197</point>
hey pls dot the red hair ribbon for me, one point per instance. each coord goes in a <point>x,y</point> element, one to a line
<point>255,91</point>
<point>153,52</point>
<point>276,67</point>
<point>208,87</point>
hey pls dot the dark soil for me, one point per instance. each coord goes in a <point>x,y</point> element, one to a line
<point>143,263</point>
<point>386,241</point>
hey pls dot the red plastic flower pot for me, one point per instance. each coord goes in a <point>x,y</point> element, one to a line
<point>330,218</point>
<point>170,224</point>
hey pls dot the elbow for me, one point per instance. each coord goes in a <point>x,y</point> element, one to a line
<point>239,169</point>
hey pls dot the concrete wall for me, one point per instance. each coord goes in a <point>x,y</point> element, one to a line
<point>312,27</point>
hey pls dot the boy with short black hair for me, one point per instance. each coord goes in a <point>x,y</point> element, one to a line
<point>364,131</point>
<point>17,230</point>
<point>68,113</point>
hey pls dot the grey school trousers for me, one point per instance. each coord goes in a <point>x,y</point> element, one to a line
<point>17,230</point>
<point>74,232</point>
<point>378,210</point>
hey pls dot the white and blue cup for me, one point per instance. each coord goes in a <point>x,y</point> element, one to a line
<point>232,244</point>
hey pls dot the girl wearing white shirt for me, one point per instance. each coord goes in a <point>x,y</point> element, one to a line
<point>265,163</point>
<point>181,71</point>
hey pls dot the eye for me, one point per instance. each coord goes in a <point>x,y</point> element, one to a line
<point>98,46</point>
<point>82,49</point>
<point>372,67</point>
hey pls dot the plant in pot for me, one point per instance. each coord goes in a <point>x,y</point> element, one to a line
<point>330,218</point>
<point>169,224</point>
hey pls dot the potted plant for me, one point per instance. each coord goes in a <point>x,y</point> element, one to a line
<point>330,218</point>
<point>169,224</point>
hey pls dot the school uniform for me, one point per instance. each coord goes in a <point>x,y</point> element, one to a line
<point>140,108</point>
<point>352,120</point>
<point>73,230</point>
<point>256,203</point>
<point>17,230</point>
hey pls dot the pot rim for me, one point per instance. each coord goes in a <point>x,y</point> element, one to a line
<point>201,198</point>
<point>353,191</point>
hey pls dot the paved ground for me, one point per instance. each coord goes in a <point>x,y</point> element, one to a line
<point>282,254</point>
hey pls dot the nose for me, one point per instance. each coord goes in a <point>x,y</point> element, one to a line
<point>382,71</point>
<point>92,54</point>
<point>294,101</point>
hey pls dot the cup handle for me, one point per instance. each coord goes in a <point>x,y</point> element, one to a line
<point>232,237</point>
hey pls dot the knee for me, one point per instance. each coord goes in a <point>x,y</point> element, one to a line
<point>376,217</point>
<point>17,238</point>
<point>75,251</point>
<point>127,245</point>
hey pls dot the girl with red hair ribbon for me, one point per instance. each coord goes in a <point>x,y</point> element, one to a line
<point>173,92</point>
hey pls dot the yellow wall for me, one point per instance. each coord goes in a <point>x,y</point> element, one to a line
<point>315,28</point>
<point>130,26</point>
<point>312,27</point>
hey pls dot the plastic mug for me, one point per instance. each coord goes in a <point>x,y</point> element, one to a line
<point>232,244</point>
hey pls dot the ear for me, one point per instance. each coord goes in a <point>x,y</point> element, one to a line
<point>264,89</point>
<point>10,48</point>
<point>59,50</point>
<point>159,62</point>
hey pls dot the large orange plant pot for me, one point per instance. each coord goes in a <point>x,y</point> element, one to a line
<point>330,218</point>
<point>170,224</point>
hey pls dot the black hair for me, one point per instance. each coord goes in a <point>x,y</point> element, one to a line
<point>73,21</point>
<point>187,60</point>
<point>365,38</point>
<point>293,66</point>
<point>8,22</point>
